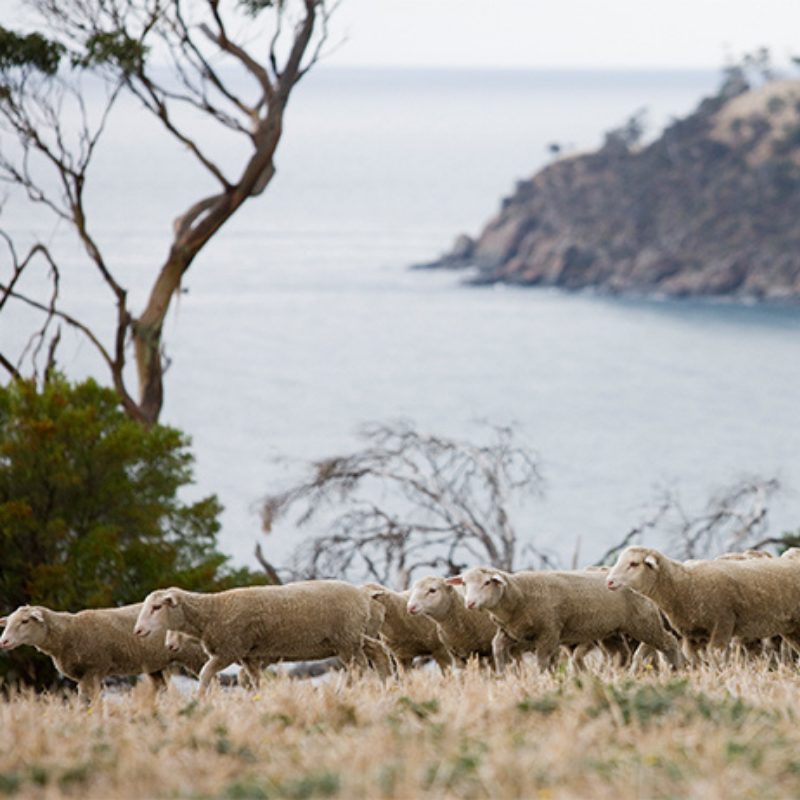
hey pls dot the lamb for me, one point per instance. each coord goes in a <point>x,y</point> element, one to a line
<point>543,610</point>
<point>464,632</point>
<point>407,636</point>
<point>95,644</point>
<point>259,625</point>
<point>711,602</point>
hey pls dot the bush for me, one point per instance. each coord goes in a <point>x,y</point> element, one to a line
<point>89,508</point>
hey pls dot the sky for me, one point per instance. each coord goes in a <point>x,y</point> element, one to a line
<point>537,34</point>
<point>562,33</point>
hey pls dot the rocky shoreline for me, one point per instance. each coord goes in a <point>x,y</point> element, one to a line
<point>709,209</point>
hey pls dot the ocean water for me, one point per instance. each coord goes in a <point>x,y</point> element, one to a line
<point>302,322</point>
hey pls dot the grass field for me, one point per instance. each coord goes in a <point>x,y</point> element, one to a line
<point>701,734</point>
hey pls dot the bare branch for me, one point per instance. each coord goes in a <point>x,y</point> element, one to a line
<point>735,519</point>
<point>407,500</point>
<point>200,79</point>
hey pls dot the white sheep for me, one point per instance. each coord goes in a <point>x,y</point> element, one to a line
<point>464,632</point>
<point>407,636</point>
<point>744,555</point>
<point>258,625</point>
<point>710,603</point>
<point>94,644</point>
<point>541,611</point>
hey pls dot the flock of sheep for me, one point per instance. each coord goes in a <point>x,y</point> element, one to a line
<point>647,607</point>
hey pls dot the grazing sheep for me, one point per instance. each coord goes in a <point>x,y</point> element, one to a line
<point>259,625</point>
<point>183,646</point>
<point>542,610</point>
<point>95,644</point>
<point>463,631</point>
<point>178,642</point>
<point>711,602</point>
<point>407,636</point>
<point>744,556</point>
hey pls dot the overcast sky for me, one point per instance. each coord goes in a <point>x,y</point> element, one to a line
<point>563,33</point>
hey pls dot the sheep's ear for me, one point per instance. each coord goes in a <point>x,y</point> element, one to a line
<point>377,592</point>
<point>456,581</point>
<point>171,599</point>
<point>4,621</point>
<point>651,561</point>
<point>499,579</point>
<point>38,614</point>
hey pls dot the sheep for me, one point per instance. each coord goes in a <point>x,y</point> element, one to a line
<point>464,632</point>
<point>407,636</point>
<point>94,644</point>
<point>711,602</point>
<point>744,556</point>
<point>543,610</point>
<point>178,642</point>
<point>259,625</point>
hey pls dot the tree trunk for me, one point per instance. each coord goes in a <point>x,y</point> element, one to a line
<point>193,231</point>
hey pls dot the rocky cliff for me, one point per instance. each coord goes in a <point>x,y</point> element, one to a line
<point>710,208</point>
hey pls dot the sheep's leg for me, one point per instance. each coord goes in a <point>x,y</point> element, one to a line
<point>646,653</point>
<point>793,641</point>
<point>661,639</point>
<point>158,680</point>
<point>209,671</point>
<point>720,642</point>
<point>617,649</point>
<point>252,669</point>
<point>547,651</point>
<point>501,646</point>
<point>403,665</point>
<point>378,656</point>
<point>444,660</point>
<point>353,658</point>
<point>578,656</point>
<point>89,687</point>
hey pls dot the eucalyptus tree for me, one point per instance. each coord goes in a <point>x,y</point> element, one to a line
<point>187,63</point>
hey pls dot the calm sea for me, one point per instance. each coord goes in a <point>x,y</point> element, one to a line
<point>302,322</point>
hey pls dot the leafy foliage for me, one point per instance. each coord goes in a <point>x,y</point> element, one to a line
<point>113,47</point>
<point>89,512</point>
<point>32,50</point>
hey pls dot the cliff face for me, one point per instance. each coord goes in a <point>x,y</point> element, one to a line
<point>710,208</point>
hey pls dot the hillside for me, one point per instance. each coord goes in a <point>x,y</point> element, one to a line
<point>711,208</point>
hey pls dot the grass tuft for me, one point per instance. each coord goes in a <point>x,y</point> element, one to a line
<point>467,735</point>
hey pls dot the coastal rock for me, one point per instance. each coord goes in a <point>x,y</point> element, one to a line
<point>710,208</point>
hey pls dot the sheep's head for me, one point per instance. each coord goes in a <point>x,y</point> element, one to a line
<point>159,612</point>
<point>484,587</point>
<point>636,568</point>
<point>430,596</point>
<point>26,625</point>
<point>175,641</point>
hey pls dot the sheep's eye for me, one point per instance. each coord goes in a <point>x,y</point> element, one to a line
<point>24,621</point>
<point>633,565</point>
<point>432,590</point>
<point>155,608</point>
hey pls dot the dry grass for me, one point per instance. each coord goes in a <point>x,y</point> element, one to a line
<point>702,735</point>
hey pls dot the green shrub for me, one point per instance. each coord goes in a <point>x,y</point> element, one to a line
<point>89,508</point>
